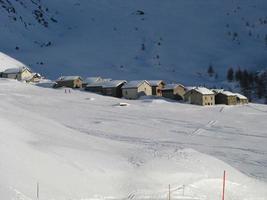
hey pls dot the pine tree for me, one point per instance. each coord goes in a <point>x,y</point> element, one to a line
<point>230,74</point>
<point>238,74</point>
<point>251,78</point>
<point>210,70</point>
<point>143,47</point>
<point>244,80</point>
<point>260,87</point>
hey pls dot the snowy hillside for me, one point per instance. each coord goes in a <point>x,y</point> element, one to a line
<point>81,145</point>
<point>6,62</point>
<point>172,40</point>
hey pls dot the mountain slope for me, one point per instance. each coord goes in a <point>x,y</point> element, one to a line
<point>172,40</point>
<point>7,62</point>
<point>84,146</point>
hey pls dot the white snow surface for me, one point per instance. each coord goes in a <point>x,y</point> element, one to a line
<point>154,82</point>
<point>134,84</point>
<point>68,78</point>
<point>7,63</point>
<point>240,96</point>
<point>82,146</point>
<point>90,80</point>
<point>228,93</point>
<point>113,83</point>
<point>203,90</point>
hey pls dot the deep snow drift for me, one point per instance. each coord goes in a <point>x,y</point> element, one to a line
<point>81,145</point>
<point>152,39</point>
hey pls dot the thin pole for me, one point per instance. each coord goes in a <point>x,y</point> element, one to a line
<point>37,191</point>
<point>169,192</point>
<point>183,189</point>
<point>224,177</point>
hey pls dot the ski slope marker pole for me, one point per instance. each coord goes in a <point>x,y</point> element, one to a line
<point>224,177</point>
<point>37,191</point>
<point>169,192</point>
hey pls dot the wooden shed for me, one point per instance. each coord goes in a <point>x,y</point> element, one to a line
<point>173,91</point>
<point>200,96</point>
<point>69,81</point>
<point>157,86</point>
<point>135,89</point>
<point>113,88</point>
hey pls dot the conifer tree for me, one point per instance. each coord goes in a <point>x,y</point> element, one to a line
<point>238,74</point>
<point>210,70</point>
<point>230,74</point>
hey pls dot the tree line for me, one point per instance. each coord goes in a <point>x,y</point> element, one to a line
<point>252,84</point>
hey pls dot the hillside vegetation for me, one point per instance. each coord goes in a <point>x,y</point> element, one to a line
<point>171,40</point>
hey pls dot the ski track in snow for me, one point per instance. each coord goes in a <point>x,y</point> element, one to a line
<point>154,131</point>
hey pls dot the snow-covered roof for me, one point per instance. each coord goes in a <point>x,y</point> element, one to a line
<point>90,80</point>
<point>134,84</point>
<point>203,90</point>
<point>113,83</point>
<point>68,78</point>
<point>12,70</point>
<point>217,90</point>
<point>227,93</point>
<point>171,86</point>
<point>154,82</point>
<point>46,83</point>
<point>15,70</point>
<point>240,96</point>
<point>7,62</point>
<point>99,83</point>
<point>188,88</point>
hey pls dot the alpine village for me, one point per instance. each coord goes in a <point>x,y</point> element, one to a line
<point>133,89</point>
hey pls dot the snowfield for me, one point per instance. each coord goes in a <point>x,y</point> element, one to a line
<point>81,146</point>
<point>7,62</point>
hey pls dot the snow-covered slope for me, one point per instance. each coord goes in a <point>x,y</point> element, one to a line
<point>84,146</point>
<point>6,62</point>
<point>172,40</point>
